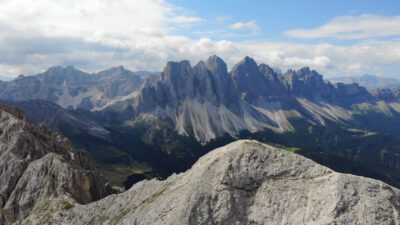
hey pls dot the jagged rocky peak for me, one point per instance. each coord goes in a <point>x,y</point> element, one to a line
<point>247,79</point>
<point>246,67</point>
<point>59,70</point>
<point>254,81</point>
<point>36,165</point>
<point>174,71</point>
<point>304,74</point>
<point>216,65</point>
<point>384,94</point>
<point>267,71</point>
<point>19,114</point>
<point>207,80</point>
<point>396,92</point>
<point>304,71</point>
<point>248,60</point>
<point>312,76</point>
<point>224,87</point>
<point>65,75</point>
<point>308,83</point>
<point>175,84</point>
<point>115,71</point>
<point>245,182</point>
<point>200,69</point>
<point>351,90</point>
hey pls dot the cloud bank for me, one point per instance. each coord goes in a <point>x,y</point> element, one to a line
<point>141,35</point>
<point>350,27</point>
<point>251,25</point>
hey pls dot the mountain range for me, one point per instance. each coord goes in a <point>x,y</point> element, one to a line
<point>250,97</point>
<point>158,124</point>
<point>245,182</point>
<point>169,126</point>
<point>46,181</point>
<point>369,81</point>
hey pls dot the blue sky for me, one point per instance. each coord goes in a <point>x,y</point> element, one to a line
<point>336,38</point>
<point>276,17</point>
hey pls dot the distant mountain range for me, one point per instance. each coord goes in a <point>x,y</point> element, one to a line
<point>369,81</point>
<point>164,122</point>
<point>205,101</point>
<point>71,88</point>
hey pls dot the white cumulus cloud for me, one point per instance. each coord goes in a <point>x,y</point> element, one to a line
<point>139,34</point>
<point>250,25</point>
<point>352,27</point>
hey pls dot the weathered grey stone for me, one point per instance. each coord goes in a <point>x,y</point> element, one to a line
<point>245,182</point>
<point>36,164</point>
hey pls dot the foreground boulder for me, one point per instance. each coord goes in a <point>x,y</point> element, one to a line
<point>245,182</point>
<point>36,165</point>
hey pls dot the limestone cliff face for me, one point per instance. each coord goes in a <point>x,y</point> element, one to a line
<point>254,81</point>
<point>36,164</point>
<point>245,182</point>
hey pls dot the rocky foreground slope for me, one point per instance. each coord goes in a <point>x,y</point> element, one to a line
<point>245,182</point>
<point>36,165</point>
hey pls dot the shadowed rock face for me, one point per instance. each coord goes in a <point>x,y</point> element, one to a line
<point>207,102</point>
<point>386,94</point>
<point>309,84</point>
<point>245,182</point>
<point>207,81</point>
<point>254,81</point>
<point>36,164</point>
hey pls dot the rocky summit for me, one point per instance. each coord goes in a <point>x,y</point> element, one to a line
<point>36,165</point>
<point>245,182</point>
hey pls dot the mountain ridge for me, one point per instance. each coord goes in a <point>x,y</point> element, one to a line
<point>178,115</point>
<point>245,182</point>
<point>249,97</point>
<point>36,164</point>
<point>369,81</point>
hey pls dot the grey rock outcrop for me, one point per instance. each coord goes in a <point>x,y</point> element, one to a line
<point>58,119</point>
<point>386,94</point>
<point>72,88</point>
<point>309,84</point>
<point>36,164</point>
<point>207,81</point>
<point>253,81</point>
<point>245,182</point>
